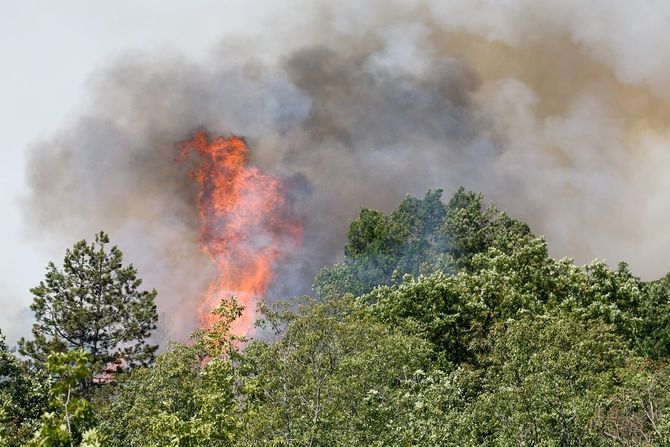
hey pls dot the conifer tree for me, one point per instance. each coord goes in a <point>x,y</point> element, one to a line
<point>93,303</point>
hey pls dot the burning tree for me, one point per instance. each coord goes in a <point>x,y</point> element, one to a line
<point>247,224</point>
<point>93,303</point>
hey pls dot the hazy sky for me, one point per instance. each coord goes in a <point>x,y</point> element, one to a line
<point>48,52</point>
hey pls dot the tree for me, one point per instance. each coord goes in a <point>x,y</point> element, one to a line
<point>70,422</point>
<point>330,378</point>
<point>186,399</point>
<point>380,246</point>
<point>550,380</point>
<point>454,312</point>
<point>23,398</point>
<point>655,314</point>
<point>179,401</point>
<point>545,378</point>
<point>462,331</point>
<point>639,413</point>
<point>421,236</point>
<point>470,228</point>
<point>93,303</point>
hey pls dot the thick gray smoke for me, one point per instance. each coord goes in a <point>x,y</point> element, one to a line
<point>539,105</point>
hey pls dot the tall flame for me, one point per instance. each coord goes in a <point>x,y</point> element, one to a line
<point>246,228</point>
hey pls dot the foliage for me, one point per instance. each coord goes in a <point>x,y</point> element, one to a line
<point>93,303</point>
<point>71,417</point>
<point>180,401</point>
<point>654,315</point>
<point>420,236</point>
<point>186,399</point>
<point>456,311</point>
<point>329,380</point>
<point>445,325</point>
<point>639,413</point>
<point>544,379</point>
<point>380,245</point>
<point>23,398</point>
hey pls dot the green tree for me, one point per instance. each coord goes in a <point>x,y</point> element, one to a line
<point>180,401</point>
<point>71,420</point>
<point>380,246</point>
<point>512,279</point>
<point>445,325</point>
<point>455,312</point>
<point>550,380</point>
<point>330,378</point>
<point>93,303</point>
<point>545,379</point>
<point>186,399</point>
<point>654,312</point>
<point>23,398</point>
<point>639,413</point>
<point>471,228</point>
<point>421,236</point>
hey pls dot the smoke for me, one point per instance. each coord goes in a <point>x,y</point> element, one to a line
<point>558,111</point>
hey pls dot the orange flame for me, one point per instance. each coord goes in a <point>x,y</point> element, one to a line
<point>246,228</point>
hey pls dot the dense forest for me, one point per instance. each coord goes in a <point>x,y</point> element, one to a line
<point>445,324</point>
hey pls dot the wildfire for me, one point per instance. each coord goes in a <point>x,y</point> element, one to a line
<point>246,227</point>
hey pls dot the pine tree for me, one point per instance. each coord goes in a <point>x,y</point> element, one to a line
<point>93,303</point>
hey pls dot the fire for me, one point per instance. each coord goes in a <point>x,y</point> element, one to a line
<point>245,225</point>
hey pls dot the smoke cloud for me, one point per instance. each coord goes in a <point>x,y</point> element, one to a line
<point>558,111</point>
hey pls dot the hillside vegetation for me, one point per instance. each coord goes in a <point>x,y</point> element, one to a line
<point>446,324</point>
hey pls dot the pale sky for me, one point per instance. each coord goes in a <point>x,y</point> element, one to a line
<point>48,51</point>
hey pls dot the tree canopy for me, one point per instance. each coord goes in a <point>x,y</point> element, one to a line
<point>446,324</point>
<point>420,236</point>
